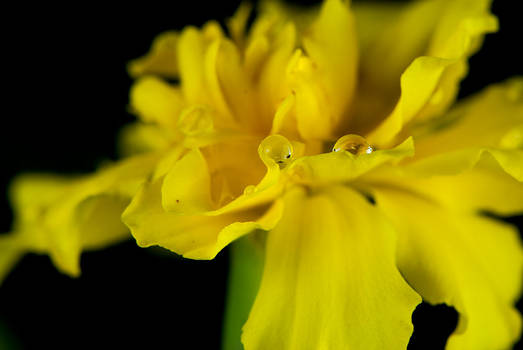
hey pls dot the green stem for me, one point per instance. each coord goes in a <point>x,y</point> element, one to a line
<point>245,272</point>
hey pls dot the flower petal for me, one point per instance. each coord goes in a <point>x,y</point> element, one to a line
<point>155,101</point>
<point>238,89</point>
<point>483,187</point>
<point>385,30</point>
<point>344,166</point>
<point>197,56</point>
<point>330,267</point>
<point>490,123</point>
<point>193,236</point>
<point>160,60</point>
<point>136,138</point>
<point>63,216</point>
<point>492,118</point>
<point>431,82</point>
<point>325,78</point>
<point>458,161</point>
<point>470,262</point>
<point>12,252</point>
<point>206,180</point>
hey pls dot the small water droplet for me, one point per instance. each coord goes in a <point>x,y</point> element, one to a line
<point>354,144</point>
<point>276,148</point>
<point>249,189</point>
<point>195,120</point>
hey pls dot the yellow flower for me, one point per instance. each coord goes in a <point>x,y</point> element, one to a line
<point>331,130</point>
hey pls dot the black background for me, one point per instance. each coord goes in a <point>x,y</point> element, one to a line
<point>65,96</point>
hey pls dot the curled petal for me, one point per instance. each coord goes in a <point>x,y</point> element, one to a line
<point>63,216</point>
<point>195,236</point>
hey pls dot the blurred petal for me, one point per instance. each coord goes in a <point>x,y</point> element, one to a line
<point>324,262</point>
<point>62,216</point>
<point>492,118</point>
<point>430,83</point>
<point>483,187</point>
<point>136,138</point>
<point>489,124</point>
<point>237,24</point>
<point>388,32</point>
<point>12,252</point>
<point>470,262</point>
<point>324,78</point>
<point>155,101</point>
<point>160,60</point>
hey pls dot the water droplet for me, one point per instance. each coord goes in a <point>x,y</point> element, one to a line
<point>354,144</point>
<point>249,189</point>
<point>195,120</point>
<point>276,148</point>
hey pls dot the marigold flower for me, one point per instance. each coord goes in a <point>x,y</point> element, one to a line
<point>289,128</point>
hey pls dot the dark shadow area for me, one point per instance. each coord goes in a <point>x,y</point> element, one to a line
<point>126,296</point>
<point>433,324</point>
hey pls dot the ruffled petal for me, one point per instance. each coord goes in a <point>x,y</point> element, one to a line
<point>330,279</point>
<point>160,60</point>
<point>462,160</point>
<point>193,236</point>
<point>64,216</point>
<point>470,262</point>
<point>430,83</point>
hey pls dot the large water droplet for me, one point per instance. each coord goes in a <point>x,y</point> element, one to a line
<point>352,143</point>
<point>195,120</point>
<point>276,148</point>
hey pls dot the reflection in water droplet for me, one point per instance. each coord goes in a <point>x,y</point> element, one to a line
<point>195,120</point>
<point>249,189</point>
<point>277,148</point>
<point>354,144</point>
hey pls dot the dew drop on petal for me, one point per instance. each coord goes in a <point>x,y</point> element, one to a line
<point>278,149</point>
<point>249,189</point>
<point>352,143</point>
<point>195,120</point>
